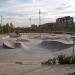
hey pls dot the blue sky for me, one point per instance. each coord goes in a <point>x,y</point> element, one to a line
<point>19,11</point>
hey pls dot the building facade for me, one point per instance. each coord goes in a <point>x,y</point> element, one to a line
<point>65,21</point>
<point>33,26</point>
<point>48,26</point>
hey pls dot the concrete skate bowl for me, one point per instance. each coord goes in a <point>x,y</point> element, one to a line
<point>54,45</point>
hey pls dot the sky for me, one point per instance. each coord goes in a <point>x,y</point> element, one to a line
<point>20,11</point>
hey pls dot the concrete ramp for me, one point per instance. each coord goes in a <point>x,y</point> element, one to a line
<point>54,45</point>
<point>12,44</point>
<point>9,44</point>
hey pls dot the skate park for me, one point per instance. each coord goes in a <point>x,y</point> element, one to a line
<point>35,48</point>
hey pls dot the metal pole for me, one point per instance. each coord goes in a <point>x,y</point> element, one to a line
<point>1,24</point>
<point>73,45</point>
<point>30,25</point>
<point>1,20</point>
<point>30,20</point>
<point>39,17</point>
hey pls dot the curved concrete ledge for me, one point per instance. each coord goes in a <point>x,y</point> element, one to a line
<point>11,44</point>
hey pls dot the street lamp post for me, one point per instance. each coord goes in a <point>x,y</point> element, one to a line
<point>30,21</point>
<point>40,21</point>
<point>39,17</point>
<point>73,37</point>
<point>1,24</point>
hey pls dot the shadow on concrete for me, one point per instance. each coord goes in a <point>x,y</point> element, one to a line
<point>4,48</point>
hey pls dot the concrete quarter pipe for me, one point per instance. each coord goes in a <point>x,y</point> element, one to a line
<point>10,44</point>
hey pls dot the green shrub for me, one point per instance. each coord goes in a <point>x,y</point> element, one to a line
<point>73,60</point>
<point>48,62</point>
<point>73,73</point>
<point>54,60</point>
<point>68,60</point>
<point>60,59</point>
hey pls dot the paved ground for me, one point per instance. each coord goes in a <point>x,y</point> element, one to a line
<point>30,57</point>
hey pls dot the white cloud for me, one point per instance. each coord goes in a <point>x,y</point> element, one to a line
<point>50,10</point>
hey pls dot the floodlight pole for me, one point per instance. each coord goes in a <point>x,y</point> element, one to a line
<point>1,23</point>
<point>30,25</point>
<point>73,48</point>
<point>73,37</point>
<point>1,20</point>
<point>30,20</point>
<point>40,21</point>
<point>39,17</point>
